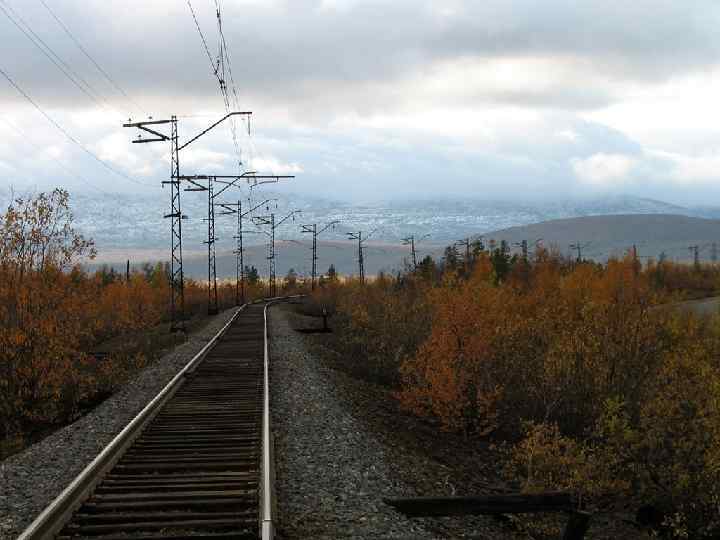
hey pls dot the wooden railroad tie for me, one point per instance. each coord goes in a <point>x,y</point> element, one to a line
<point>577,525</point>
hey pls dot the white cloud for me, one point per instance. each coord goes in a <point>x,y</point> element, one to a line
<point>272,165</point>
<point>567,134</point>
<point>604,169</point>
<point>685,169</point>
<point>53,151</point>
<point>203,158</point>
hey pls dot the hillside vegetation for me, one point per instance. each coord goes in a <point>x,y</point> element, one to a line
<point>569,366</point>
<point>54,316</point>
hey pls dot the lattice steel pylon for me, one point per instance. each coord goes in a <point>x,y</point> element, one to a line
<point>177,278</point>
<point>314,230</point>
<point>212,267</point>
<point>361,259</point>
<point>177,281</point>
<point>270,220</point>
<point>239,262</point>
<point>271,258</point>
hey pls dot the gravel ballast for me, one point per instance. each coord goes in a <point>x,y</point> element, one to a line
<point>30,480</point>
<point>334,465</point>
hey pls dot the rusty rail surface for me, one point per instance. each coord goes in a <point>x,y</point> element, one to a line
<point>194,463</point>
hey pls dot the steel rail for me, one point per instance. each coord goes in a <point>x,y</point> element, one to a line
<point>267,471</point>
<point>51,520</point>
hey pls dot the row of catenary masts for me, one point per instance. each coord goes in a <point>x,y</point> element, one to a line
<point>472,248</point>
<point>577,248</point>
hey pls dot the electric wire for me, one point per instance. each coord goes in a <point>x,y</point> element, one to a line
<point>223,60</point>
<point>63,66</point>
<point>67,170</point>
<point>202,37</point>
<point>217,66</point>
<point>66,133</point>
<point>89,57</point>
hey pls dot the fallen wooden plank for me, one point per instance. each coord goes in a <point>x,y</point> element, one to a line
<point>488,504</point>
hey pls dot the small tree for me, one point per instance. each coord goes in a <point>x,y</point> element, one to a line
<point>291,279</point>
<point>332,273</point>
<point>251,275</point>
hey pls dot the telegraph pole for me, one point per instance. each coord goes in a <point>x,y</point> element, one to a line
<point>229,181</point>
<point>313,229</point>
<point>579,247</point>
<point>361,257</point>
<point>410,241</point>
<point>177,285</point>
<point>523,245</point>
<point>696,255</point>
<point>236,208</point>
<point>361,263</point>
<point>270,220</point>
<point>465,242</point>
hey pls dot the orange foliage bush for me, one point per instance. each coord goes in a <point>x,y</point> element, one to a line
<point>549,346</point>
<point>595,389</point>
<point>52,313</point>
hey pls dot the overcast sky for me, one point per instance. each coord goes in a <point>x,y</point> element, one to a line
<point>369,100</point>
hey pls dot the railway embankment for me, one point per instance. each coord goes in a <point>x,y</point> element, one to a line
<point>31,479</point>
<point>341,445</point>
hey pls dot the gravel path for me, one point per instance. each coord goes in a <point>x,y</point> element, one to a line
<point>334,464</point>
<point>330,476</point>
<point>29,481</point>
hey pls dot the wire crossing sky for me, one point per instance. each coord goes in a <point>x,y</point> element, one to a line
<point>502,99</point>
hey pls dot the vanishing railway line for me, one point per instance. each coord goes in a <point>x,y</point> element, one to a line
<point>194,464</point>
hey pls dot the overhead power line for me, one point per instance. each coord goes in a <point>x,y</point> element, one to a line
<point>66,133</point>
<point>68,171</point>
<point>202,37</point>
<point>63,66</point>
<point>89,57</point>
<point>222,70</point>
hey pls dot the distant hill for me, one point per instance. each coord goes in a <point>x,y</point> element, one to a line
<point>612,235</point>
<point>605,236</point>
<point>379,256</point>
<point>135,222</point>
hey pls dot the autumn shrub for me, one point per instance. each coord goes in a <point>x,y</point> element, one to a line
<point>41,329</point>
<point>53,314</point>
<point>548,347</point>
<point>590,387</point>
<point>682,281</point>
<point>379,323</point>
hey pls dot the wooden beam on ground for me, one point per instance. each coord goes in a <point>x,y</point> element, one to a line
<point>578,522</point>
<point>489,504</point>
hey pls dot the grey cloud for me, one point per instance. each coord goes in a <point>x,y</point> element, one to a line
<point>296,55</point>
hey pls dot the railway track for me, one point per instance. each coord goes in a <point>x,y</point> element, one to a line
<point>194,464</point>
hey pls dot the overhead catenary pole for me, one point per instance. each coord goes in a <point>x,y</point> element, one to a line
<point>314,230</point>
<point>410,241</point>
<point>523,245</point>
<point>465,242</point>
<point>579,247</point>
<point>236,209</point>
<point>194,181</point>
<point>177,281</point>
<point>361,263</point>
<point>696,255</point>
<point>270,220</point>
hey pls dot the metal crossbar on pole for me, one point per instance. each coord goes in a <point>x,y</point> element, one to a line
<point>361,262</point>
<point>236,209</point>
<point>270,220</point>
<point>314,230</point>
<point>177,285</point>
<point>177,281</point>
<point>410,241</point>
